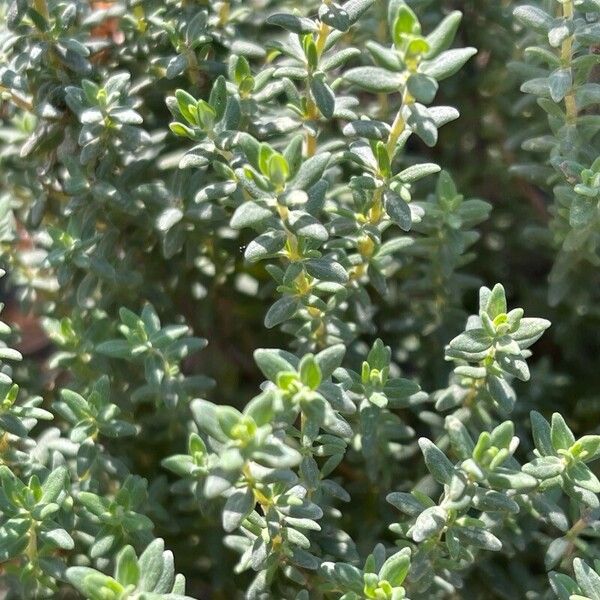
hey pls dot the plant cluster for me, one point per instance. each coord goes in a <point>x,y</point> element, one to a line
<point>236,255</point>
<point>561,66</point>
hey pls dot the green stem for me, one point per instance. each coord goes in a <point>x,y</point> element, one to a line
<point>312,112</point>
<point>397,126</point>
<point>17,100</point>
<point>42,8</point>
<point>382,30</point>
<point>194,69</point>
<point>224,13</point>
<point>31,550</point>
<point>566,57</point>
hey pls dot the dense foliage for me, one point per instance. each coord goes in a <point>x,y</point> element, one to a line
<point>240,243</point>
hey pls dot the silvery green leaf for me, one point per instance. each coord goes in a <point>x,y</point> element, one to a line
<point>290,72</point>
<point>555,552</point>
<point>247,48</point>
<point>59,538</point>
<point>103,545</point>
<point>375,79</point>
<point>282,310</point>
<point>374,130</point>
<point>114,348</point>
<point>362,153</point>
<point>311,171</point>
<point>583,477</point>
<point>336,424</point>
<point>394,245</point>
<point>562,437</point>
<point>127,570</point>
<point>298,538</point>
<point>447,63</point>
<point>513,365</point>
<point>293,154</point>
<point>493,501</point>
<point>12,424</point>
<point>418,171</point>
<point>335,490</point>
<point>265,245</point>
<point>272,361</point>
<point>422,87</point>
<point>503,435</point>
<point>237,508</point>
<point>356,8</point>
<point>337,58</point>
<point>473,211</point>
<point>194,158</point>
<point>472,341</point>
<point>397,209</point>
<point>304,559</point>
<point>292,23</point>
<point>582,212</point>
<point>309,471</point>
<point>126,115</point>
<point>545,467</point>
<point>472,372</point>
<point>563,586</point>
<point>54,484</point>
<point>588,34</point>
<point>168,218</point>
<point>249,214</point>
<point>541,431</point>
<point>385,57</point>
<point>330,359</point>
<point>305,225</point>
<point>395,568</point>
<point>217,483</point>
<point>345,574</point>
<point>439,466</point>
<point>559,82</point>
<point>326,270</point>
<point>461,441</point>
<point>335,16</point>
<point>534,17</point>
<point>92,115</point>
<point>501,392</point>
<point>299,523</point>
<point>310,372</point>
<point>407,503</point>
<point>587,448</point>
<point>530,330</point>
<point>493,302</point>
<point>540,86</point>
<point>506,479</point>
<point>442,115</point>
<point>442,36</point>
<point>579,493</point>
<point>177,65</point>
<point>337,398</point>
<point>551,512</point>
<point>216,190</point>
<point>587,578</point>
<point>151,565</point>
<point>420,120</point>
<point>479,537</point>
<point>559,32</point>
<point>429,523</point>
<point>16,11</point>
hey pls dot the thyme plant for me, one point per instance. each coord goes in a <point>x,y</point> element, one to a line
<point>564,85</point>
<point>240,243</point>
